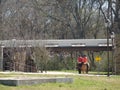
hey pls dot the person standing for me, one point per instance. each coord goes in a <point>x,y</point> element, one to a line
<point>79,63</point>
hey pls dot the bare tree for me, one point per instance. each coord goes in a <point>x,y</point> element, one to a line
<point>116,29</point>
<point>69,18</point>
<point>36,19</point>
<point>21,21</point>
<point>0,17</point>
<point>41,58</point>
<point>113,15</point>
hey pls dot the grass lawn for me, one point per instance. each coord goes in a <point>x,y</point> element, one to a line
<point>80,83</point>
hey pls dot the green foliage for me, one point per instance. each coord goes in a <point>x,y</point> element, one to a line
<point>102,65</point>
<point>41,56</point>
<point>61,64</point>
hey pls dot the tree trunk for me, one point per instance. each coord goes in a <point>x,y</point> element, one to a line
<point>117,55</point>
<point>0,15</point>
<point>117,38</point>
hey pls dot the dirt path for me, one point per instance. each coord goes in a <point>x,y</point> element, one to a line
<point>54,73</point>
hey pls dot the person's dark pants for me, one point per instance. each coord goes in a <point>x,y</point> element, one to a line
<point>79,67</point>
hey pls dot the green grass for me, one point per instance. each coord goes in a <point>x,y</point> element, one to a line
<point>80,83</point>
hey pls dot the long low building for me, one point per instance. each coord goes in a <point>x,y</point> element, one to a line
<point>60,44</point>
<point>16,57</point>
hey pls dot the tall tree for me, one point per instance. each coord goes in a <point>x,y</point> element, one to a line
<point>0,12</point>
<point>116,29</point>
<point>113,17</point>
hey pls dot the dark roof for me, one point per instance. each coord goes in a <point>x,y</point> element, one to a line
<point>57,43</point>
